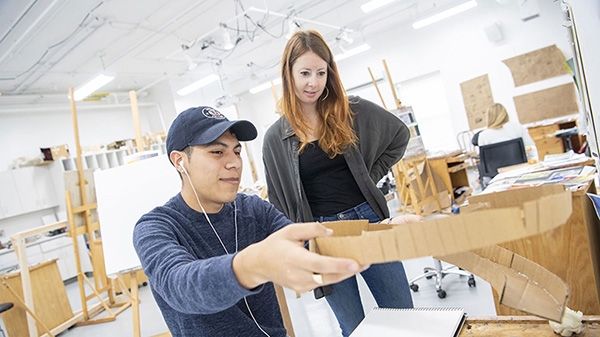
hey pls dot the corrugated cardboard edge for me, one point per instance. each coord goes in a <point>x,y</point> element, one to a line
<point>520,283</point>
<point>443,236</point>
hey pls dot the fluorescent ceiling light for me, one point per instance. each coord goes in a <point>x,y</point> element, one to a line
<point>92,85</point>
<point>293,26</point>
<point>445,14</point>
<point>265,86</point>
<point>351,52</point>
<point>197,85</point>
<point>373,5</point>
<point>227,44</point>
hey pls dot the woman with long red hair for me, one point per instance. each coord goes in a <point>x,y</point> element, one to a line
<point>323,159</point>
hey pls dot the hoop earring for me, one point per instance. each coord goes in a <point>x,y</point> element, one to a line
<point>326,94</point>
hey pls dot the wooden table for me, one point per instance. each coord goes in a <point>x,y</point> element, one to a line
<point>49,297</point>
<point>452,168</point>
<point>531,167</point>
<point>522,326</point>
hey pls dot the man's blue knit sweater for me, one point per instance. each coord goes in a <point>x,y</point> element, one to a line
<point>191,275</point>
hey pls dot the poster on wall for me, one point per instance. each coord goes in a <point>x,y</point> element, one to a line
<point>547,104</point>
<point>537,65</point>
<point>477,96</point>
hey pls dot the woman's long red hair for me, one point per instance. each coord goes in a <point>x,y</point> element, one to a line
<point>336,132</point>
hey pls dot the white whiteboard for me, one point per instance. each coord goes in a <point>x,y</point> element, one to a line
<point>124,194</point>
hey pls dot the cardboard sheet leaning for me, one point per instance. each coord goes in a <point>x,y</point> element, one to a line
<point>488,220</point>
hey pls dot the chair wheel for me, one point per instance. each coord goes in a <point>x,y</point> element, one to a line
<point>414,287</point>
<point>441,293</point>
<point>471,282</point>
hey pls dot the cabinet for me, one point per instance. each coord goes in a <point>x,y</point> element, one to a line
<point>452,168</point>
<point>548,144</point>
<point>10,204</point>
<point>61,249</point>
<point>8,258</point>
<point>35,188</point>
<point>25,190</point>
<point>47,249</point>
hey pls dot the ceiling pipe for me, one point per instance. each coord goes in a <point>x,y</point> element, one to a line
<point>156,32</point>
<point>32,77</point>
<point>29,29</point>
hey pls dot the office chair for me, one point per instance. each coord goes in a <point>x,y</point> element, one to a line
<point>497,155</point>
<point>465,142</point>
<point>4,307</point>
<point>440,272</point>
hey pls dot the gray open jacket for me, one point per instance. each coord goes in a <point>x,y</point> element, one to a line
<point>382,140</point>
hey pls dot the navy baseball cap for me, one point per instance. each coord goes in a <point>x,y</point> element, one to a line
<point>203,125</point>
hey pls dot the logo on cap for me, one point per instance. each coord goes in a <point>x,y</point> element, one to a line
<point>212,113</point>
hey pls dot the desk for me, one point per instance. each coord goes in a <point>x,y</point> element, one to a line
<point>522,326</point>
<point>571,252</point>
<point>452,168</point>
<point>526,167</point>
<point>49,296</point>
<point>547,144</point>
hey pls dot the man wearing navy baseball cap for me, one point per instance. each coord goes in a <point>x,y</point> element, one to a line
<point>211,254</point>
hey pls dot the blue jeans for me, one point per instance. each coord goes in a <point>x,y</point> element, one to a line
<point>386,281</point>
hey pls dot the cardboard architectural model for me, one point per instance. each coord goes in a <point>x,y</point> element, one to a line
<point>468,239</point>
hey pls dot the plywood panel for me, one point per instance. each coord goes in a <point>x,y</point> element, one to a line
<point>477,96</point>
<point>50,299</point>
<point>547,104</point>
<point>537,65</point>
<point>522,326</point>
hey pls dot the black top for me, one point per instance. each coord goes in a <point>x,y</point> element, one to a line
<point>328,183</point>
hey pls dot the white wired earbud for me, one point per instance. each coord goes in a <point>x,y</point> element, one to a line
<point>182,167</point>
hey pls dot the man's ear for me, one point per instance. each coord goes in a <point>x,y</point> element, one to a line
<point>176,158</point>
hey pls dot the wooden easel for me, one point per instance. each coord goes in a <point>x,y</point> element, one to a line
<point>90,228</point>
<point>417,185</point>
<point>414,178</point>
<point>133,274</point>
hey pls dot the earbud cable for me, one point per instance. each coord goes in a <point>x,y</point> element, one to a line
<point>221,241</point>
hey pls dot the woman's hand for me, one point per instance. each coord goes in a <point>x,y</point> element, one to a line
<point>404,219</point>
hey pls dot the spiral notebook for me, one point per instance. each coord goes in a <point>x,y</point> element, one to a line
<point>422,322</point>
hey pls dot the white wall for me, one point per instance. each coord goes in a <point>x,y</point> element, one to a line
<point>457,48</point>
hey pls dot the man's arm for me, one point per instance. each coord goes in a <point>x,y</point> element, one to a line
<point>282,259</point>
